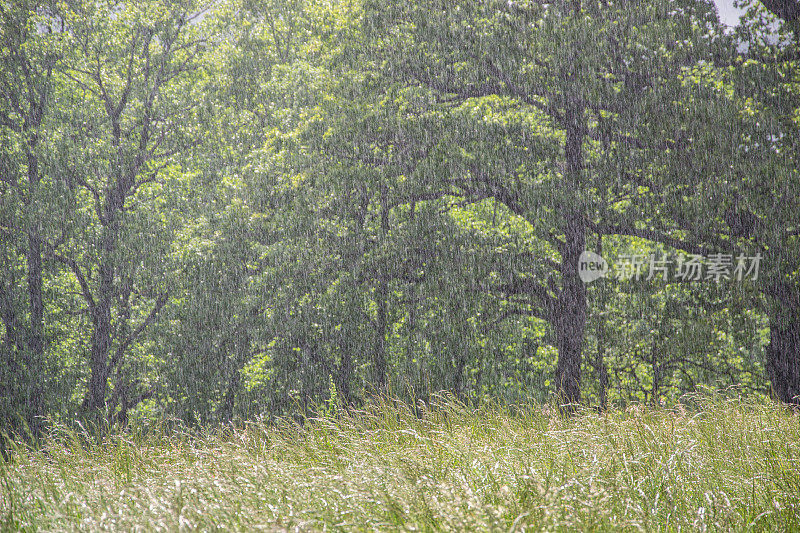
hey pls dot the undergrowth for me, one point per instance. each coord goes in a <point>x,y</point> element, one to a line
<point>726,465</point>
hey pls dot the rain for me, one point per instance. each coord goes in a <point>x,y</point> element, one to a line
<point>371,265</point>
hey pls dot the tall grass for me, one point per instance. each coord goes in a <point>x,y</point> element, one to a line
<point>729,465</point>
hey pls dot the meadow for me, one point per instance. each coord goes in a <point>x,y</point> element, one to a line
<point>710,464</point>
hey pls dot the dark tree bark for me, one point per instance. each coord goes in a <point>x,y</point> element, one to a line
<point>379,356</point>
<point>460,365</point>
<point>240,348</point>
<point>35,356</point>
<point>602,369</point>
<point>600,363</point>
<point>783,350</point>
<point>569,319</point>
<point>382,296</point>
<point>10,346</point>
<point>345,375</point>
<point>788,10</point>
<point>26,89</point>
<point>101,339</point>
<point>101,334</point>
<point>229,402</point>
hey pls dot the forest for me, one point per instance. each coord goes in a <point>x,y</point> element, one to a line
<point>427,265</point>
<point>246,210</point>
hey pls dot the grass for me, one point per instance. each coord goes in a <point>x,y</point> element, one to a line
<point>728,465</point>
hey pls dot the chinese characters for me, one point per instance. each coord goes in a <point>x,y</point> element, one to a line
<point>692,267</point>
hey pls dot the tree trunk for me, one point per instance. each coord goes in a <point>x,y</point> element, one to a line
<point>35,354</point>
<point>379,356</point>
<point>600,362</point>
<point>570,318</point>
<point>570,313</point>
<point>233,375</point>
<point>783,354</point>
<point>603,373</point>
<point>35,357</point>
<point>458,380</point>
<point>9,367</point>
<point>382,295</point>
<point>783,350</point>
<point>225,411</point>
<point>345,375</point>
<point>101,318</point>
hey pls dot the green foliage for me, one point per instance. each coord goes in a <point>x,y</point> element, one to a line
<point>265,207</point>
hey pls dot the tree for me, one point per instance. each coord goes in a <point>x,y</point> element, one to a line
<point>776,63</point>
<point>127,102</point>
<point>729,180</point>
<point>32,37</point>
<point>580,77</point>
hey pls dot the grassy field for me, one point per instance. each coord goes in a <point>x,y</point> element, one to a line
<point>724,465</point>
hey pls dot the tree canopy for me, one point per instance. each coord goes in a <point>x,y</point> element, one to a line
<point>248,209</point>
